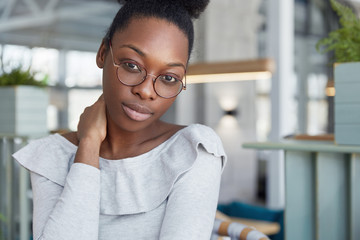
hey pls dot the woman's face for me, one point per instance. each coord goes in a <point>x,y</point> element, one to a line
<point>158,46</point>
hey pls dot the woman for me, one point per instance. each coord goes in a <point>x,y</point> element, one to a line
<point>125,174</point>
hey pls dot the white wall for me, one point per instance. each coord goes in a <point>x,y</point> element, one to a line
<point>227,31</point>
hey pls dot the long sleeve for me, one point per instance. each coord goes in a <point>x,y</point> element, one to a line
<point>191,207</point>
<point>69,212</point>
<point>170,192</point>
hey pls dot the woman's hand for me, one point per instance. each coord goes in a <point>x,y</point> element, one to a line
<point>92,124</point>
<point>91,133</point>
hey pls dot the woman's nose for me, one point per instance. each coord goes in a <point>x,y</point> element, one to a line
<point>146,90</point>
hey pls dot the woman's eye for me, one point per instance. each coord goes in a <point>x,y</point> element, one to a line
<point>132,67</point>
<point>168,78</point>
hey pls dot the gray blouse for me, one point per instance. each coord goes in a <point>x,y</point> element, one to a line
<point>169,192</point>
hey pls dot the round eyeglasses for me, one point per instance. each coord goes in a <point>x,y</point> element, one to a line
<point>130,73</point>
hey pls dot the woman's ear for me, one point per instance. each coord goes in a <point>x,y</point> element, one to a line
<point>101,54</point>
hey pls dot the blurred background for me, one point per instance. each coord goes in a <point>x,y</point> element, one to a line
<point>58,39</point>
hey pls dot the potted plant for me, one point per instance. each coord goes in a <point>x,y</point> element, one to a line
<point>23,103</point>
<point>345,43</point>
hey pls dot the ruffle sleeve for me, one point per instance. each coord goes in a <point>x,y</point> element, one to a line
<point>132,185</point>
<point>50,157</point>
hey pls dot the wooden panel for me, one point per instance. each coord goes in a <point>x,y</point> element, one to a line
<point>299,192</point>
<point>345,112</point>
<point>332,196</point>
<point>347,103</point>
<point>354,210</point>
<point>347,133</point>
<point>23,110</point>
<point>31,110</point>
<point>347,92</point>
<point>15,204</point>
<point>305,146</point>
<point>351,70</point>
<point>255,65</point>
<point>321,178</point>
<point>7,108</point>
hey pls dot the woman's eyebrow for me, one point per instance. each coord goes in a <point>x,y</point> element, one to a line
<point>176,65</point>
<point>141,53</point>
<point>133,48</point>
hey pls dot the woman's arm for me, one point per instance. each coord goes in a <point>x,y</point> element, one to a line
<point>69,212</point>
<point>72,211</point>
<point>91,133</point>
<point>191,207</point>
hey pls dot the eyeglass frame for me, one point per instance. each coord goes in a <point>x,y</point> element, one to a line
<point>183,83</point>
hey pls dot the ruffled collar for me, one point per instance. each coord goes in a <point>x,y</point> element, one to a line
<point>131,185</point>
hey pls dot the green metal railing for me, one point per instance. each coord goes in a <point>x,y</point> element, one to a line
<point>322,192</point>
<point>15,192</point>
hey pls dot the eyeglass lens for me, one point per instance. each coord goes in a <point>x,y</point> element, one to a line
<point>165,86</point>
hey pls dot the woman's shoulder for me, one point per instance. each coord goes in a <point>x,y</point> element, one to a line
<point>71,137</point>
<point>199,133</point>
<point>188,140</point>
<point>192,134</point>
<point>195,139</point>
<point>192,129</point>
<point>49,156</point>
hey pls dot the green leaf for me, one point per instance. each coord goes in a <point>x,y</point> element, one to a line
<point>20,77</point>
<point>345,41</point>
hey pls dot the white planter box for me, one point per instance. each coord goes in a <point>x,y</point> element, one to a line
<point>347,103</point>
<point>23,110</point>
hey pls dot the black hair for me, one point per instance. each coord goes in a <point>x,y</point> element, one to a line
<point>178,12</point>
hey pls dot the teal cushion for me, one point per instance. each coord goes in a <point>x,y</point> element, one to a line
<point>243,210</point>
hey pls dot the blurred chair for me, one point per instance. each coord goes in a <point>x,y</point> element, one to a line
<point>229,228</point>
<point>250,213</point>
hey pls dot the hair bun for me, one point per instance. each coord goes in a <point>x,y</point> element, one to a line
<point>122,2</point>
<point>193,7</point>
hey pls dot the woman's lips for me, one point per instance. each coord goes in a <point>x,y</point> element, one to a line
<point>137,112</point>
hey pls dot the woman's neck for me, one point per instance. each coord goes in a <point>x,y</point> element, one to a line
<point>120,143</point>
